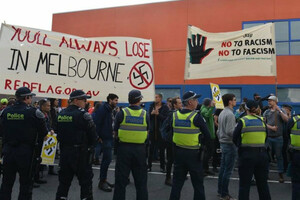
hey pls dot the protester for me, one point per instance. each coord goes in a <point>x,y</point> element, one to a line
<point>227,124</point>
<point>158,113</point>
<point>206,111</point>
<point>275,118</point>
<point>103,119</point>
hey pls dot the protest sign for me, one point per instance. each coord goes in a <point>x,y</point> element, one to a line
<point>249,52</point>
<point>54,64</point>
<point>49,150</point>
<point>217,96</point>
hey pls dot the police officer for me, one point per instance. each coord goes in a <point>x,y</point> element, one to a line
<point>76,133</point>
<point>22,127</point>
<point>131,126</point>
<point>294,133</point>
<point>189,134</point>
<point>250,137</point>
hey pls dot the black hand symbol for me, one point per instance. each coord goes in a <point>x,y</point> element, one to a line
<point>197,50</point>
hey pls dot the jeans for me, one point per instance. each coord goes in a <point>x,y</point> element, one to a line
<point>253,161</point>
<point>106,148</point>
<point>227,163</point>
<point>276,145</point>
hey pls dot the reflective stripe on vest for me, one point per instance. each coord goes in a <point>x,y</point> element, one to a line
<point>186,134</point>
<point>295,133</point>
<point>133,128</point>
<point>253,132</point>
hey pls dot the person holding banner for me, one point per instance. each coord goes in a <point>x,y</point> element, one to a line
<point>250,137</point>
<point>131,127</point>
<point>76,133</point>
<point>190,133</point>
<point>22,127</point>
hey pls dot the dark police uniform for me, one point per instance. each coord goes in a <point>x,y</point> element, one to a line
<point>76,133</point>
<point>188,129</point>
<point>132,125</point>
<point>250,136</point>
<point>21,126</point>
<point>294,132</point>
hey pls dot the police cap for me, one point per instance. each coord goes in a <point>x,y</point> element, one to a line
<point>78,94</point>
<point>251,104</point>
<point>134,95</point>
<point>23,92</point>
<point>190,95</point>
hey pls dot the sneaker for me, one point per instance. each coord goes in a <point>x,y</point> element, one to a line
<point>227,197</point>
<point>168,181</point>
<point>281,179</point>
<point>104,186</point>
<point>110,184</point>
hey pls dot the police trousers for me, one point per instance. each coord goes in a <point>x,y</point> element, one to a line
<point>187,160</point>
<point>75,161</point>
<point>253,161</point>
<point>131,157</point>
<point>295,171</point>
<point>17,159</point>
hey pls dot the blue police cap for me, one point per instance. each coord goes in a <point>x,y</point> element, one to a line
<point>23,92</point>
<point>78,94</point>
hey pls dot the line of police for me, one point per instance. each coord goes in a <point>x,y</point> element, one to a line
<point>23,126</point>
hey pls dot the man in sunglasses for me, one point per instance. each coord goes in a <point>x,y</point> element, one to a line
<point>76,133</point>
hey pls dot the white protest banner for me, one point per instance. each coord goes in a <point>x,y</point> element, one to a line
<point>217,96</point>
<point>49,150</point>
<point>54,64</point>
<point>249,52</point>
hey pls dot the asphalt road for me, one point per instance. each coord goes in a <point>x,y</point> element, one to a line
<point>157,189</point>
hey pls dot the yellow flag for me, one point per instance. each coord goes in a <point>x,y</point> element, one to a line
<point>217,96</point>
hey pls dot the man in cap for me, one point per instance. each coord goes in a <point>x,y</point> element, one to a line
<point>76,133</point>
<point>131,126</point>
<point>275,119</point>
<point>189,134</point>
<point>22,127</point>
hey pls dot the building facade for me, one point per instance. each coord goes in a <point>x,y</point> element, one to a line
<point>166,24</point>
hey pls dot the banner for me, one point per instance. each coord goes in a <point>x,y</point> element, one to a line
<point>49,150</point>
<point>217,96</point>
<point>249,52</point>
<point>54,64</point>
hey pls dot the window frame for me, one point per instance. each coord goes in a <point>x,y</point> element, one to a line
<point>289,41</point>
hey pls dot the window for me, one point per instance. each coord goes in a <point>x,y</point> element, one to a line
<point>287,35</point>
<point>168,92</point>
<point>237,92</point>
<point>289,95</point>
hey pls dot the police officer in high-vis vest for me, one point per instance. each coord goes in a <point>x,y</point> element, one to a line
<point>131,126</point>
<point>294,133</point>
<point>189,134</point>
<point>76,133</point>
<point>250,137</point>
<point>22,127</point>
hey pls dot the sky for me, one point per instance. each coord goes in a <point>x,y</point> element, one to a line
<point>38,13</point>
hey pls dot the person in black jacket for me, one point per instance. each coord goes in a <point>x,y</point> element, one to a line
<point>22,127</point>
<point>158,113</point>
<point>76,133</point>
<point>103,120</point>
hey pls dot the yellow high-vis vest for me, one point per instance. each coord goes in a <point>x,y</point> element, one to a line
<point>253,132</point>
<point>133,128</point>
<point>185,133</point>
<point>295,133</point>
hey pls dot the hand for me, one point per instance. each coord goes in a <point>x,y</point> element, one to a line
<point>51,132</point>
<point>197,51</point>
<point>213,103</point>
<point>100,140</point>
<point>274,128</point>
